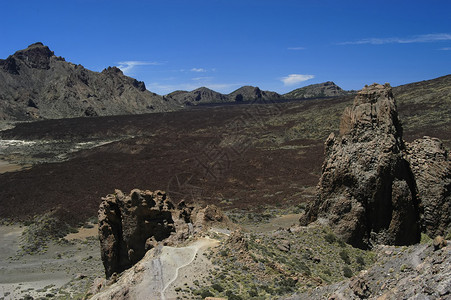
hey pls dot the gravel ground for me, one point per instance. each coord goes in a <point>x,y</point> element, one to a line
<point>65,270</point>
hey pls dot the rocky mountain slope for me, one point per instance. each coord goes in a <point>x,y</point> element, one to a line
<point>320,90</point>
<point>201,95</point>
<point>36,84</point>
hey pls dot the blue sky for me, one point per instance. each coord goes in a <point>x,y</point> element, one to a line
<point>224,44</point>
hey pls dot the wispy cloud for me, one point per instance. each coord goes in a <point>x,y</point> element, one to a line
<point>198,70</point>
<point>293,79</point>
<point>128,66</point>
<point>296,48</point>
<point>205,78</point>
<point>424,38</point>
<point>445,49</point>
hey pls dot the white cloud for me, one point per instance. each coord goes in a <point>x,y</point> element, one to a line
<point>445,49</point>
<point>424,38</point>
<point>293,79</point>
<point>206,78</point>
<point>296,48</point>
<point>128,66</point>
<point>198,70</point>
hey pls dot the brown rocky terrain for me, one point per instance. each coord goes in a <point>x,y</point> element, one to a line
<point>36,84</point>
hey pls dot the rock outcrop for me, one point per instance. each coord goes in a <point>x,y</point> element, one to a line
<point>130,225</point>
<point>367,191</point>
<point>431,166</point>
<point>36,84</point>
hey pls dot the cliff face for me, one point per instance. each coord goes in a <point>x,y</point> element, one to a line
<point>36,84</point>
<point>368,192</point>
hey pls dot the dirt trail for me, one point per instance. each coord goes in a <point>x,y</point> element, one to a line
<point>160,271</point>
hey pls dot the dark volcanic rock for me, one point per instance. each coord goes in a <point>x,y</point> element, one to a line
<point>129,225</point>
<point>432,169</point>
<point>60,89</point>
<point>367,190</point>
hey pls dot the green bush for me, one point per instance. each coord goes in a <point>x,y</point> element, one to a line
<point>330,238</point>
<point>347,272</point>
<point>231,296</point>
<point>206,293</point>
<point>217,287</point>
<point>359,260</point>
<point>345,257</point>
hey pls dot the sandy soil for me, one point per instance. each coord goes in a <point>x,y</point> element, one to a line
<point>65,270</point>
<point>7,167</point>
<point>162,270</point>
<point>283,221</point>
<point>84,233</point>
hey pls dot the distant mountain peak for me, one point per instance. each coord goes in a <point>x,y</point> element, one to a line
<point>318,90</point>
<point>36,84</point>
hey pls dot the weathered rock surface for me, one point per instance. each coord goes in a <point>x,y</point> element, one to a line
<point>367,190</point>
<point>36,84</point>
<point>130,225</point>
<point>432,169</point>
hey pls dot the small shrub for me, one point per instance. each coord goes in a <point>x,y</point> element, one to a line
<point>330,238</point>
<point>359,260</point>
<point>231,296</point>
<point>345,257</point>
<point>217,287</point>
<point>347,272</point>
<point>206,293</point>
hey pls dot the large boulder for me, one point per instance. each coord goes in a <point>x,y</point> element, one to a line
<point>130,225</point>
<point>367,191</point>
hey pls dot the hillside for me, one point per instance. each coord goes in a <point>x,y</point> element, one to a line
<point>201,95</point>
<point>36,84</point>
<point>320,90</point>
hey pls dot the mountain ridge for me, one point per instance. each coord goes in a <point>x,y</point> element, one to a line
<point>36,84</point>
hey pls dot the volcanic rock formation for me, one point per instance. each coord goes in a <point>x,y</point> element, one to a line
<point>130,225</point>
<point>367,190</point>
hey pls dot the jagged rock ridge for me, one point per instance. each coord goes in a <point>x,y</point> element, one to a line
<point>367,191</point>
<point>36,84</point>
